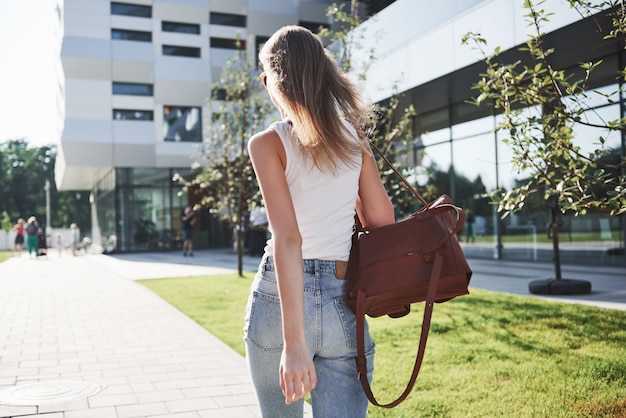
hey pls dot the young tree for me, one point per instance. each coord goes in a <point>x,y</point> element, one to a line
<point>541,107</point>
<point>226,184</point>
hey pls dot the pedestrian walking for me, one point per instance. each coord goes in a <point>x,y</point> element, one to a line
<point>32,239</point>
<point>188,220</point>
<point>315,169</point>
<point>18,244</point>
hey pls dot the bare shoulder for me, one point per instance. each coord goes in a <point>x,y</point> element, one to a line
<point>264,141</point>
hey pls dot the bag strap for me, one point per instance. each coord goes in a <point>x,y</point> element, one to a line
<point>361,361</point>
<point>404,180</point>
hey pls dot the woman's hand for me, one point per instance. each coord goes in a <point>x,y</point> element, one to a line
<point>297,372</point>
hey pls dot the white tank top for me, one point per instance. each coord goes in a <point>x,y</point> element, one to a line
<point>324,201</point>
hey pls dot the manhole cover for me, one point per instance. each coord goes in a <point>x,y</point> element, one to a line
<point>46,393</point>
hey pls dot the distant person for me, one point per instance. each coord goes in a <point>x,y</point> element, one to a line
<point>188,219</point>
<point>32,240</point>
<point>18,244</point>
<point>59,244</point>
<point>75,237</point>
<point>470,230</point>
<point>42,244</point>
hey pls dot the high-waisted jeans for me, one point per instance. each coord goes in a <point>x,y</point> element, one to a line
<point>331,336</point>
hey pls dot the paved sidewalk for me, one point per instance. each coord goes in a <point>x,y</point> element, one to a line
<point>79,319</point>
<point>108,347</point>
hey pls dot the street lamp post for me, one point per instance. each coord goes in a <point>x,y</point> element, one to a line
<point>47,189</point>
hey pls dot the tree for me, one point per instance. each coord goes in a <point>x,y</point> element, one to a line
<point>226,185</point>
<point>541,106</point>
<point>25,170</point>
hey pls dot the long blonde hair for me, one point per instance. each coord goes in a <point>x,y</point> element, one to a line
<point>317,97</point>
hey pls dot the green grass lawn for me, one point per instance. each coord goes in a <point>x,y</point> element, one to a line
<point>4,255</point>
<point>488,354</point>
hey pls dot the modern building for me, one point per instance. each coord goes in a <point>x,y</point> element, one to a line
<point>419,51</point>
<point>138,75</point>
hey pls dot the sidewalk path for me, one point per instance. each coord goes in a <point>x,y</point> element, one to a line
<point>74,319</point>
<point>80,339</point>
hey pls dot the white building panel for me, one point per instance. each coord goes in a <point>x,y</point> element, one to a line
<point>133,155</point>
<point>86,47</point>
<point>183,69</point>
<point>178,12</point>
<point>130,23</point>
<point>134,132</point>
<point>120,101</point>
<point>262,23</point>
<point>91,99</point>
<point>88,18</point>
<point>183,39</point>
<point>438,51</point>
<point>177,154</point>
<point>133,72</point>
<point>286,7</point>
<point>181,93</point>
<point>239,7</point>
<point>132,51</point>
<point>88,131</point>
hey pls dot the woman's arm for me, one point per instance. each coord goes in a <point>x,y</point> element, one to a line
<point>297,373</point>
<point>373,205</point>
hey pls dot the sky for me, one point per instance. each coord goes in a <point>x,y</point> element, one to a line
<point>27,81</point>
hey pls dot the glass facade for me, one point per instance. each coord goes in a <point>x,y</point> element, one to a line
<point>139,209</point>
<point>468,160</point>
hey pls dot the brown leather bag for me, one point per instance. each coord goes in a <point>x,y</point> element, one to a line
<point>414,260</point>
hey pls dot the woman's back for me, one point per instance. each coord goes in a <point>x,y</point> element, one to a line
<point>323,200</point>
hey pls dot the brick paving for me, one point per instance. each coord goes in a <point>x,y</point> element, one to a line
<point>74,318</point>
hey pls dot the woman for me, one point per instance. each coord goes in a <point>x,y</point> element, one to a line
<point>32,240</point>
<point>18,245</point>
<point>314,169</point>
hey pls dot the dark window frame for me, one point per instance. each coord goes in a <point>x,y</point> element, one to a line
<point>181,51</point>
<point>133,114</point>
<point>130,9</point>
<point>228,43</point>
<point>132,89</point>
<point>180,27</point>
<point>228,19</point>
<point>131,35</point>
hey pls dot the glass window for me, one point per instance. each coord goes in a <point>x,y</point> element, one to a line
<point>226,43</point>
<point>228,19</point>
<point>180,27</point>
<point>133,89</point>
<point>131,35</point>
<point>181,51</point>
<point>128,114</point>
<point>182,124</point>
<point>127,9</point>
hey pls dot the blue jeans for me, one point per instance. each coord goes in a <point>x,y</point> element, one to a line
<point>331,336</point>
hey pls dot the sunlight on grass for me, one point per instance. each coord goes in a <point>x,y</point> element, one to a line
<point>488,354</point>
<point>4,255</point>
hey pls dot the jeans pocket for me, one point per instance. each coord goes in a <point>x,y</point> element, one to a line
<point>348,321</point>
<point>264,323</point>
